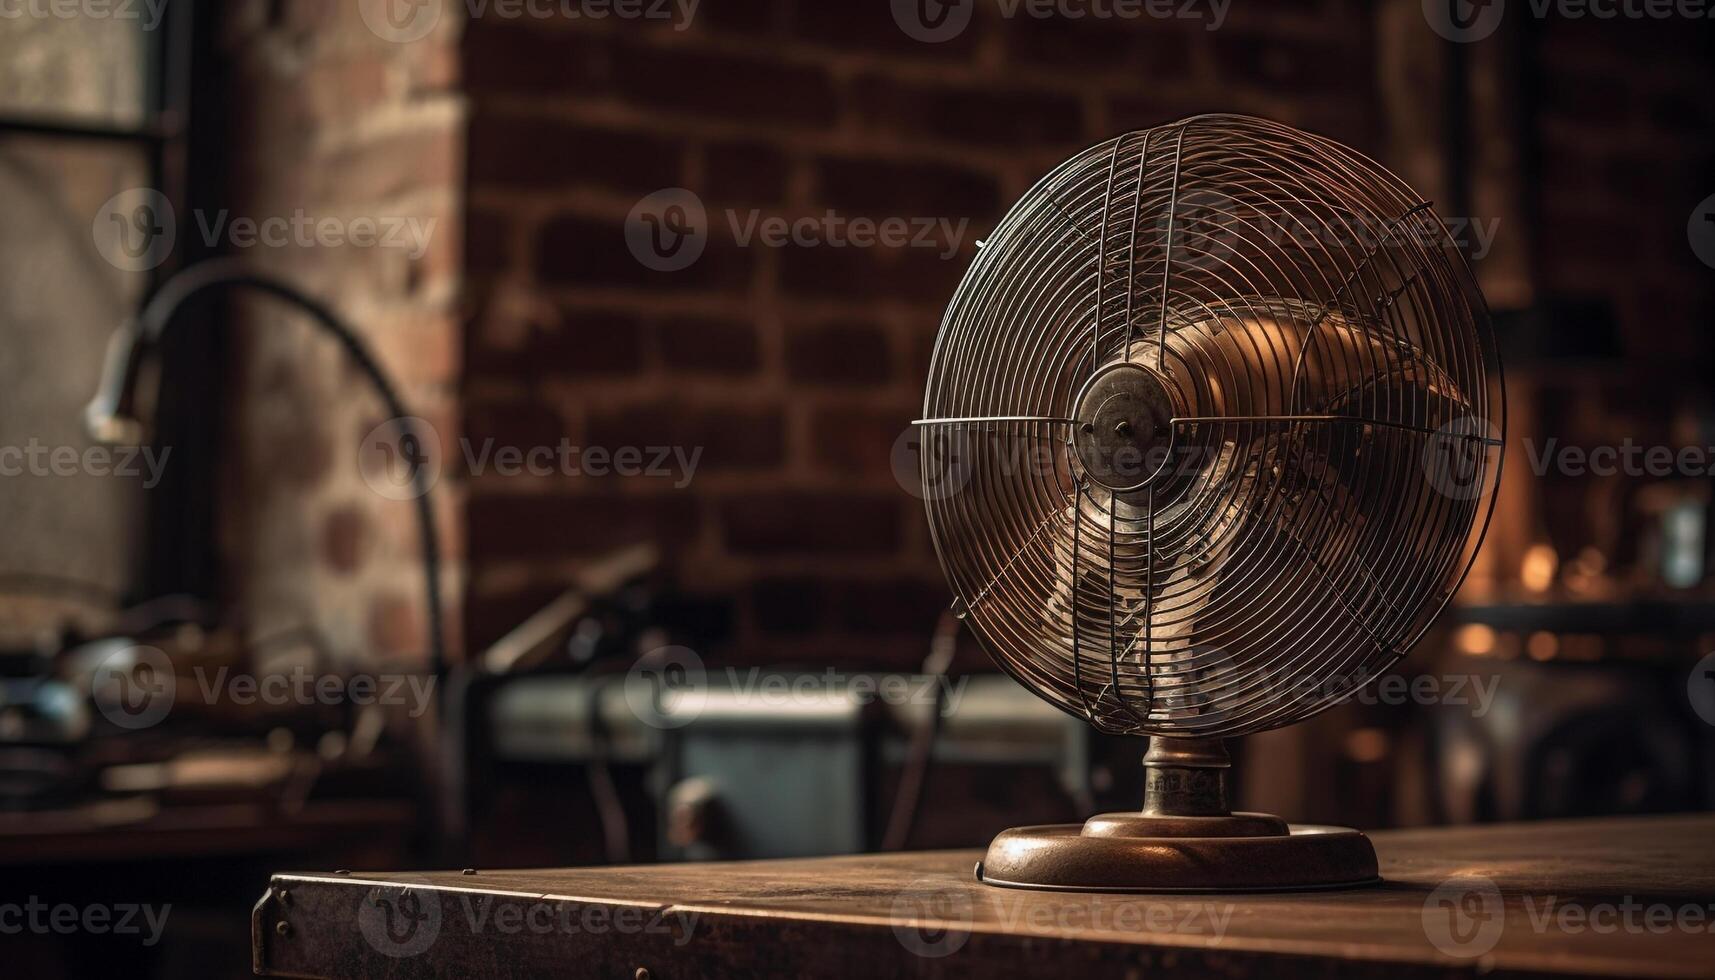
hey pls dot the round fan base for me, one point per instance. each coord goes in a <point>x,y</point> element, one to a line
<point>1065,857</point>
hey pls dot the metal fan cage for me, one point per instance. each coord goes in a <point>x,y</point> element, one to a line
<point>1212,429</point>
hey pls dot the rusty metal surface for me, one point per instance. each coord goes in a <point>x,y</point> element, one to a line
<point>923,915</point>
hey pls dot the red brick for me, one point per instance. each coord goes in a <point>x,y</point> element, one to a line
<point>871,27</point>
<point>346,538</point>
<point>397,627</point>
<point>506,58</point>
<point>576,250</point>
<point>838,353</point>
<point>899,274</point>
<point>887,188</point>
<point>510,151</point>
<point>812,523</point>
<point>704,345</point>
<point>547,526</point>
<point>520,422</point>
<point>857,441</point>
<point>1284,64</point>
<point>730,438</point>
<point>749,89</point>
<point>488,241</point>
<point>1145,48</point>
<point>987,116</point>
<point>570,342</point>
<point>746,174</point>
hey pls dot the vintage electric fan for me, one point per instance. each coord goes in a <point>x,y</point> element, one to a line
<point>1211,421</point>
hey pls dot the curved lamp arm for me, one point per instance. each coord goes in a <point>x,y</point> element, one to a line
<point>112,416</point>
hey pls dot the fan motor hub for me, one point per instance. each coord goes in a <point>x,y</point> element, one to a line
<point>1122,429</point>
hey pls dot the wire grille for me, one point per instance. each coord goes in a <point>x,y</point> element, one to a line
<point>1330,433</point>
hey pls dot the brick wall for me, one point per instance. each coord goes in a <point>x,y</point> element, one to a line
<point>1627,143</point>
<point>795,369</point>
<point>336,122</point>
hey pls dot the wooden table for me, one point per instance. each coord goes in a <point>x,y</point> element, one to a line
<point>1631,897</point>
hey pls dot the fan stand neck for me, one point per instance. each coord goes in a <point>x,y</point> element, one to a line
<point>1186,777</point>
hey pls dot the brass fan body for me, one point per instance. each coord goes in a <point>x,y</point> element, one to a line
<point>1264,380</point>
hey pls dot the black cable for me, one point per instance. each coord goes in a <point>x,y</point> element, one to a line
<point>920,757</point>
<point>114,399</point>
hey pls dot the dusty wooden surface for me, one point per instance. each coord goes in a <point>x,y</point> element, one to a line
<point>1605,898</point>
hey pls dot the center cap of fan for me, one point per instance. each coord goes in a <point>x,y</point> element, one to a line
<point>1122,428</point>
